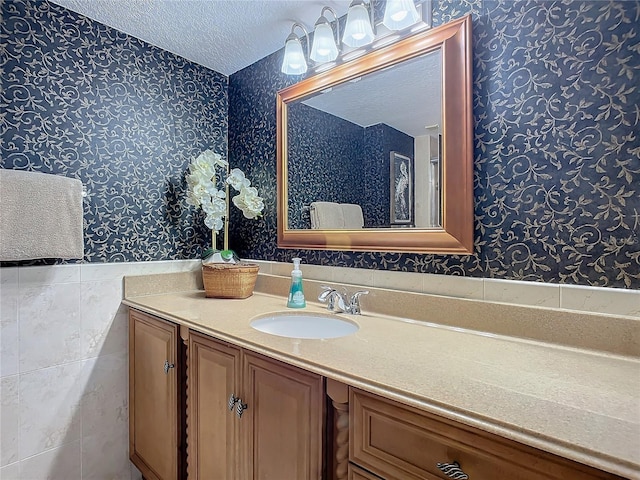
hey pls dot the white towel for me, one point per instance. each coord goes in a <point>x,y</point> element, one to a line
<point>326,216</point>
<point>336,216</point>
<point>40,216</point>
<point>352,214</point>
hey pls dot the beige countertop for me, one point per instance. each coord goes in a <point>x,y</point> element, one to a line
<point>577,403</point>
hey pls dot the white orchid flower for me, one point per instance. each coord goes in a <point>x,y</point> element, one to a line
<point>214,223</point>
<point>237,179</point>
<point>249,202</point>
<point>202,182</point>
<point>192,199</point>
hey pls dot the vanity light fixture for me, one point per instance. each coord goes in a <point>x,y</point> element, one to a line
<point>400,14</point>
<point>324,48</point>
<point>294,61</point>
<point>361,34</point>
<point>358,30</point>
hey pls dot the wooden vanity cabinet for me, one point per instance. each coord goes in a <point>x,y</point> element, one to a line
<point>249,417</point>
<point>279,431</point>
<point>212,429</point>
<point>155,393</point>
<point>398,442</point>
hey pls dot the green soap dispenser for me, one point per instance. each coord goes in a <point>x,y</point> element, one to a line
<point>296,293</point>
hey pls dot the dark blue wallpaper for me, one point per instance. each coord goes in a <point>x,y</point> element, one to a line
<point>557,150</point>
<point>334,160</point>
<point>326,162</point>
<point>557,153</point>
<point>83,100</point>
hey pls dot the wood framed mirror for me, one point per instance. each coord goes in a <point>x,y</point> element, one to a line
<point>408,174</point>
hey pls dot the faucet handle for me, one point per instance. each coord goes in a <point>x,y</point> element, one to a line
<point>354,303</point>
<point>326,292</point>
<point>327,295</point>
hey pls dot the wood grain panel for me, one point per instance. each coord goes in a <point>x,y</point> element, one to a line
<point>399,442</point>
<point>284,422</point>
<point>214,374</point>
<point>154,427</point>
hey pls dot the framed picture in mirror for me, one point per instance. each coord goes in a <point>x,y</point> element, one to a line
<point>402,187</point>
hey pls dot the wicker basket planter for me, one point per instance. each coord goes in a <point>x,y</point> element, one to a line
<point>229,280</point>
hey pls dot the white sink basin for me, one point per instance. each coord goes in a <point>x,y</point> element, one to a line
<point>305,325</point>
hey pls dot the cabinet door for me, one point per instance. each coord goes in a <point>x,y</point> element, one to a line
<point>282,427</point>
<point>213,371</point>
<point>153,397</point>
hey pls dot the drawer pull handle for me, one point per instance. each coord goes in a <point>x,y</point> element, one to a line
<point>167,366</point>
<point>232,401</point>
<point>240,408</point>
<point>452,470</point>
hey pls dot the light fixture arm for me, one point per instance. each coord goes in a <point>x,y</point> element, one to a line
<point>306,34</point>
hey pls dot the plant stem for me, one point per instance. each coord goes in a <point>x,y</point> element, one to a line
<point>226,216</point>
<point>226,220</point>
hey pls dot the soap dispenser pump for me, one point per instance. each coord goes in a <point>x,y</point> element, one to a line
<point>296,293</point>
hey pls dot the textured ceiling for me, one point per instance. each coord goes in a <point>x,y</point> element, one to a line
<point>407,97</point>
<point>224,35</point>
<point>228,35</point>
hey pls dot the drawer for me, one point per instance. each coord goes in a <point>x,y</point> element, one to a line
<point>398,442</point>
<point>357,473</point>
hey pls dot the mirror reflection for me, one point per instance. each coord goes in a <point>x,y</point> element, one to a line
<point>362,155</point>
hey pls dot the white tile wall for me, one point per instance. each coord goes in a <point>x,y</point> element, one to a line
<point>10,418</point>
<point>523,293</point>
<point>603,300</point>
<point>10,472</point>
<point>64,370</point>
<point>61,463</point>
<point>49,408</point>
<point>49,325</point>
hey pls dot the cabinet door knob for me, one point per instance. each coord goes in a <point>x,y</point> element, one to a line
<point>232,401</point>
<point>452,470</point>
<point>240,408</point>
<point>167,366</point>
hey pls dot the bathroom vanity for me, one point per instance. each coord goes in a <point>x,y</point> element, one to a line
<point>246,412</point>
<point>213,398</point>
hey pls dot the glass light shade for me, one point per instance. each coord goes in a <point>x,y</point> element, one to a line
<point>294,62</point>
<point>324,47</point>
<point>400,14</point>
<point>358,31</point>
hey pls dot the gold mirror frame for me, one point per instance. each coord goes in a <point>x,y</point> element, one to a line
<point>456,234</point>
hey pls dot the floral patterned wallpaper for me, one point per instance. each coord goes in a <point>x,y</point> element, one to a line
<point>557,153</point>
<point>325,155</point>
<point>83,100</point>
<point>334,160</point>
<point>557,149</point>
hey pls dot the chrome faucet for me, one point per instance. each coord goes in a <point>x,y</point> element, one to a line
<point>337,302</point>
